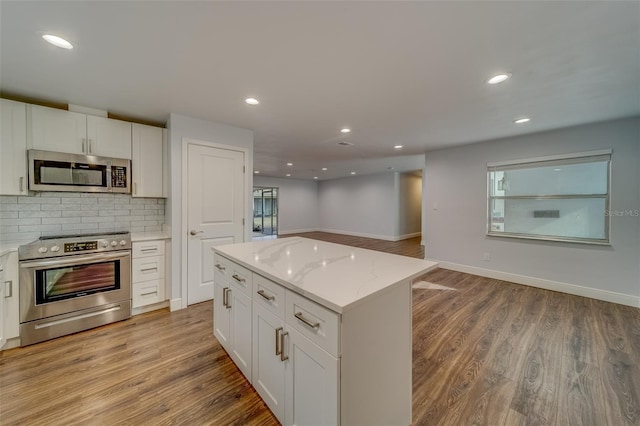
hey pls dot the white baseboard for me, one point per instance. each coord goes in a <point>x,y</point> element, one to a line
<point>149,308</point>
<point>297,231</point>
<point>176,304</point>
<point>359,234</point>
<point>593,293</point>
<point>407,236</point>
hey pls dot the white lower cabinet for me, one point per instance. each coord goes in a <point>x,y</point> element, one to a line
<point>232,315</point>
<point>147,273</point>
<point>9,304</point>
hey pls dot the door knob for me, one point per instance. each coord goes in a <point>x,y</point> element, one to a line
<point>194,232</point>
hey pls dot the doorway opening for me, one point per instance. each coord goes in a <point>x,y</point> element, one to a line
<point>265,213</point>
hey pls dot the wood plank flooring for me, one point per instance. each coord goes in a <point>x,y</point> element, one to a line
<point>486,352</point>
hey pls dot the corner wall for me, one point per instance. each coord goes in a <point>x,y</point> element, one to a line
<point>181,127</point>
<point>455,215</point>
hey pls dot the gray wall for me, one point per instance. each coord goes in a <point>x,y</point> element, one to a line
<point>455,210</point>
<point>55,213</point>
<point>181,127</point>
<point>360,205</point>
<point>297,203</point>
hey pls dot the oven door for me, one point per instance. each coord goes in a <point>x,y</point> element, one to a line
<point>63,285</point>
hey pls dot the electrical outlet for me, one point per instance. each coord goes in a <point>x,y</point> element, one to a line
<point>486,257</point>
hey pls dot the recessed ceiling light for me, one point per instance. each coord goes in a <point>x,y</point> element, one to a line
<point>315,177</point>
<point>256,171</point>
<point>353,173</point>
<point>522,120</point>
<point>397,147</point>
<point>57,41</point>
<point>288,174</point>
<point>324,169</point>
<point>345,130</point>
<point>252,101</point>
<point>289,164</point>
<point>498,78</point>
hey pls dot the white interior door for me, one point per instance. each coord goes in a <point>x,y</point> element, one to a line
<point>215,212</point>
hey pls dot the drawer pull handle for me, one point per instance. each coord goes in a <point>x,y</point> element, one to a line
<point>149,249</point>
<point>238,278</point>
<point>220,267</point>
<point>155,268</point>
<point>283,357</point>
<point>269,298</point>
<point>306,321</point>
<point>8,289</point>
<point>278,347</point>
<point>148,293</point>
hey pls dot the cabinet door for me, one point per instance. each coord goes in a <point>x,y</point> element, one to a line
<point>221,315</point>
<point>147,161</point>
<point>3,338</point>
<point>108,137</point>
<point>13,148</point>
<point>268,368</point>
<point>312,381</point>
<point>240,330</point>
<point>10,298</point>
<point>57,130</point>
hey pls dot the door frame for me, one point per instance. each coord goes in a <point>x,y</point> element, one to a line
<point>184,225</point>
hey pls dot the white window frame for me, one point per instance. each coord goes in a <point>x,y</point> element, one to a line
<point>605,155</point>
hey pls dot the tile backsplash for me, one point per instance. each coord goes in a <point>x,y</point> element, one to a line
<point>56,213</point>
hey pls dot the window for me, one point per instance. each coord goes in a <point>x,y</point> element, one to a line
<point>558,198</point>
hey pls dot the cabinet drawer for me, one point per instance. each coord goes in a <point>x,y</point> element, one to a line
<point>147,268</point>
<point>147,248</point>
<point>147,292</point>
<point>314,321</point>
<point>269,294</point>
<point>239,276</point>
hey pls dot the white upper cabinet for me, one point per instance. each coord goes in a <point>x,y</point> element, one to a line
<point>13,148</point>
<point>51,129</point>
<point>147,161</point>
<point>108,137</point>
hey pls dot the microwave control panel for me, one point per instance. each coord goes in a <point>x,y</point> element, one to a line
<point>118,177</point>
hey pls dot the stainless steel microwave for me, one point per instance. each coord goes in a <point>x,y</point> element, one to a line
<point>58,171</point>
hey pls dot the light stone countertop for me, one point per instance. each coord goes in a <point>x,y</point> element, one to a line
<point>149,236</point>
<point>9,246</point>
<point>336,276</point>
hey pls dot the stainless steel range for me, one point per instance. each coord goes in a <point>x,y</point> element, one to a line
<point>72,283</point>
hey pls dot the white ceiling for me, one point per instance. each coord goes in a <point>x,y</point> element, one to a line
<point>409,73</point>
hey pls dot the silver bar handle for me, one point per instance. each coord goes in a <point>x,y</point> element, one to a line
<point>269,298</point>
<point>9,289</point>
<point>220,267</point>
<point>83,145</point>
<point>238,278</point>
<point>283,357</point>
<point>224,296</point>
<point>21,183</point>
<point>149,249</point>
<point>228,305</point>
<point>306,321</point>
<point>134,188</point>
<point>89,146</point>
<point>151,292</point>
<point>278,348</point>
<point>75,260</point>
<point>155,268</point>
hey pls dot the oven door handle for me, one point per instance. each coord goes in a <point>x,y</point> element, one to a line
<point>73,260</point>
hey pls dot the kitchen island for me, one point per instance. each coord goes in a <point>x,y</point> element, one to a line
<point>322,330</point>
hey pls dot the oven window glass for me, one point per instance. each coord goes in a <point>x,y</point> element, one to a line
<point>75,281</point>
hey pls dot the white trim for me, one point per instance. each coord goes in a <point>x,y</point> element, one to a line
<point>407,236</point>
<point>176,305</point>
<point>148,308</point>
<point>377,237</point>
<point>578,290</point>
<point>551,158</point>
<point>297,231</point>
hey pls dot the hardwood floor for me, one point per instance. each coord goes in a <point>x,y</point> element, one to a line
<point>486,352</point>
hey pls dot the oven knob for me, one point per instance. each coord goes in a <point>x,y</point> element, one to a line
<point>114,243</point>
<point>55,248</point>
<point>105,244</point>
<point>43,249</point>
<point>123,243</point>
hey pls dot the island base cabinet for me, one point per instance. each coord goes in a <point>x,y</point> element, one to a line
<point>268,365</point>
<point>232,324</point>
<point>312,382</point>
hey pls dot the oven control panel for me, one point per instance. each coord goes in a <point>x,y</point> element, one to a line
<point>80,246</point>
